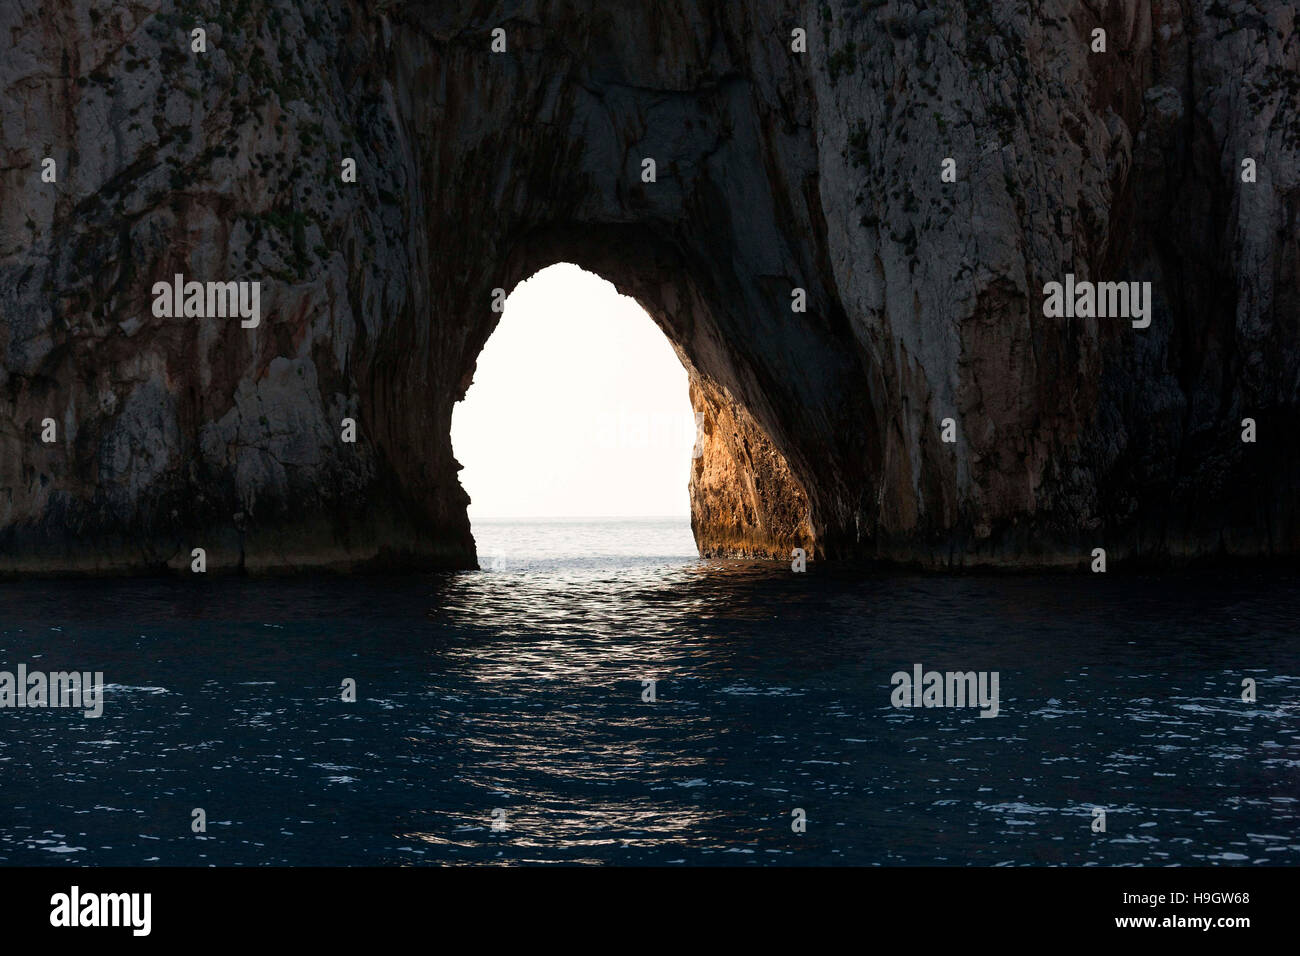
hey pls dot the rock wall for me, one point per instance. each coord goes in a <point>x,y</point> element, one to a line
<point>776,170</point>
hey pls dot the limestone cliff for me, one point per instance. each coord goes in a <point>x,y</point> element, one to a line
<point>776,170</point>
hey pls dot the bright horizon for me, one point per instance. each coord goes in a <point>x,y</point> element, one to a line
<point>579,409</point>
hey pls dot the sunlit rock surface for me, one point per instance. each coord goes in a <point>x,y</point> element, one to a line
<point>775,170</point>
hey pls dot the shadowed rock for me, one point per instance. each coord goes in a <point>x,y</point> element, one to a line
<point>775,171</point>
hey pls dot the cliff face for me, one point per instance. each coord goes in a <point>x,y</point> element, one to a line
<point>775,171</point>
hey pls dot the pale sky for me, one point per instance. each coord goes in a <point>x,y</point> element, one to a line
<point>579,408</point>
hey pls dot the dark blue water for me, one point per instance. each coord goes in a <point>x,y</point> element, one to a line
<point>519,689</point>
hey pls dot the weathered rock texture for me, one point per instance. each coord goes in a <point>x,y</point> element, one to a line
<point>776,170</point>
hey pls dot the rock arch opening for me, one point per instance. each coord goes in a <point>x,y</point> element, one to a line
<point>579,409</point>
<point>586,398</point>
